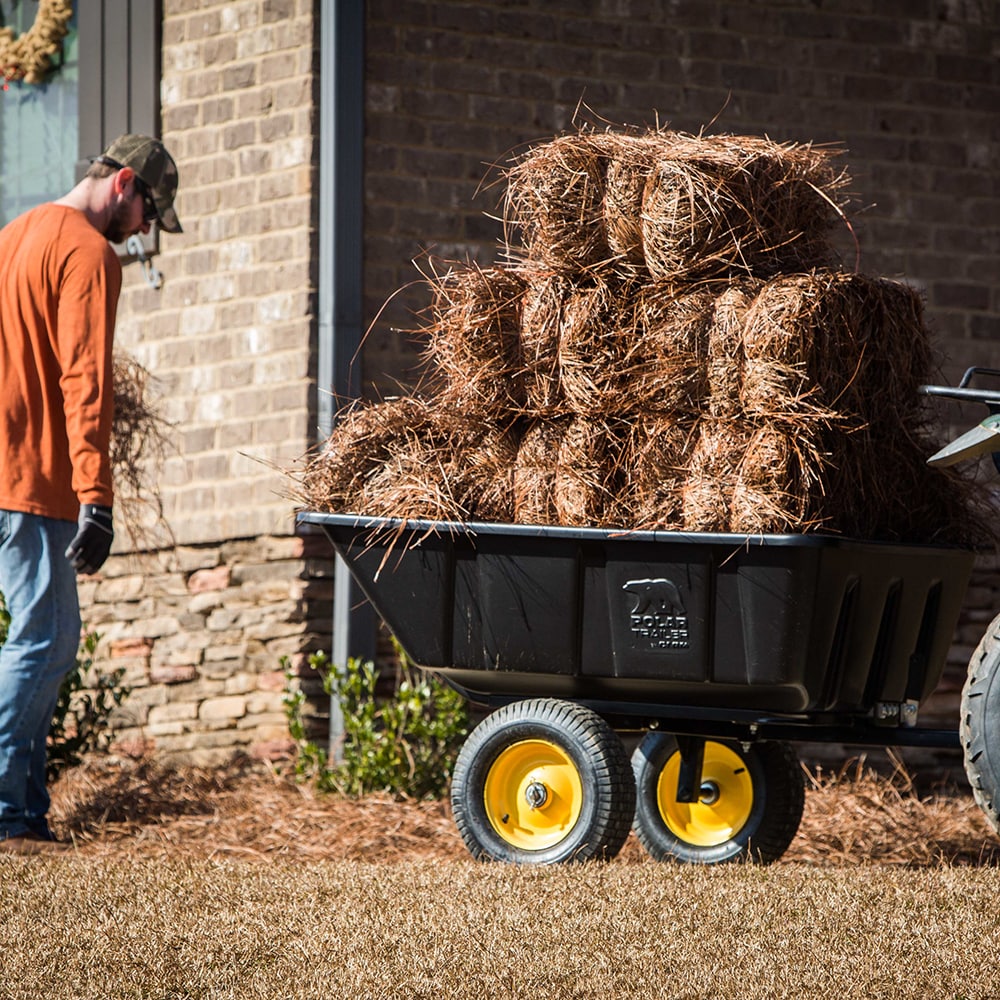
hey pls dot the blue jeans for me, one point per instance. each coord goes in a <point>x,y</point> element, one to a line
<point>39,586</point>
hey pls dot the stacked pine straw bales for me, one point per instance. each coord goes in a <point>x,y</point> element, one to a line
<point>669,346</point>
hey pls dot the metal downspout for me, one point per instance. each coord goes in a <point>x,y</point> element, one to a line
<point>341,221</point>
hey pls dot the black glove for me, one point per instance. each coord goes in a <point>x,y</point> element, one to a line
<point>92,543</point>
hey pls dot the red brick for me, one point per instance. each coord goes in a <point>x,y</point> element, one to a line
<point>209,579</point>
<point>128,648</point>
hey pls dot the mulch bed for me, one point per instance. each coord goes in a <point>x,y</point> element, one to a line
<point>246,812</point>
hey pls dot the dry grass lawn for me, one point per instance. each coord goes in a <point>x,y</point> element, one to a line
<point>239,884</point>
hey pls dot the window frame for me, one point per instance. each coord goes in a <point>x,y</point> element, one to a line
<point>119,45</point>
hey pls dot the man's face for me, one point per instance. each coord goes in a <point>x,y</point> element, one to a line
<point>127,219</point>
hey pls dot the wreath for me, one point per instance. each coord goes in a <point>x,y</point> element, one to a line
<point>29,57</point>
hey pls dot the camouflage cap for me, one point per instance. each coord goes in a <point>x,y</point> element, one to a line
<point>155,167</point>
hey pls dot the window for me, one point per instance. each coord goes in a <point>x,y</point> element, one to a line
<point>38,123</point>
<point>49,132</point>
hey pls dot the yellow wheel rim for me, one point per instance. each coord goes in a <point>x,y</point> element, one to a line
<point>725,804</point>
<point>533,794</point>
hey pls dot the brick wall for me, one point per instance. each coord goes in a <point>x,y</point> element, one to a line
<point>909,87</point>
<point>229,337</point>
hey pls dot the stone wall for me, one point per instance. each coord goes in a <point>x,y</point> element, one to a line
<point>909,88</point>
<point>205,634</point>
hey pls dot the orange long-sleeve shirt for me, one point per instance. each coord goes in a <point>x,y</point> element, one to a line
<point>59,287</point>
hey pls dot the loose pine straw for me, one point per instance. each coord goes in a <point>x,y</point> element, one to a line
<point>139,441</point>
<point>855,816</point>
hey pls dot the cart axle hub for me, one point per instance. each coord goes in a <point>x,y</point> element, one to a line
<point>709,793</point>
<point>536,795</point>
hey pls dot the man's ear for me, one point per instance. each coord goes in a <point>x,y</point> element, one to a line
<point>122,178</point>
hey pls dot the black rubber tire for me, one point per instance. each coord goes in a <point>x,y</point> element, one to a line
<point>590,748</point>
<point>774,801</point>
<point>979,724</point>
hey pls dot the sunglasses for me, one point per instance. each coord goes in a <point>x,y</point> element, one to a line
<point>149,211</point>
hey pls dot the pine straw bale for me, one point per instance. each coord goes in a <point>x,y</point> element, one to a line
<point>541,321</point>
<point>847,342</point>
<point>656,455</point>
<point>833,362</point>
<point>707,490</point>
<point>535,472</point>
<point>725,205</point>
<point>555,199</point>
<point>672,332</point>
<point>882,488</point>
<point>633,159</point>
<point>894,350</point>
<point>808,474</point>
<point>773,488</point>
<point>746,477</point>
<point>672,205</point>
<point>459,468</point>
<point>364,439</point>
<point>474,339</point>
<point>588,473</point>
<point>726,362</point>
<point>486,470</point>
<point>415,483</point>
<point>596,350</point>
<point>410,458</point>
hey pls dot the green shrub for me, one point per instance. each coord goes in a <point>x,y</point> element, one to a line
<point>405,743</point>
<point>80,724</point>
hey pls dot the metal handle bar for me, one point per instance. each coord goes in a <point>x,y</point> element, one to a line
<point>990,397</point>
<point>951,392</point>
<point>969,372</point>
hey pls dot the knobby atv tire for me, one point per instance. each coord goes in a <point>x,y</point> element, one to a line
<point>765,778</point>
<point>597,799</point>
<point>979,725</point>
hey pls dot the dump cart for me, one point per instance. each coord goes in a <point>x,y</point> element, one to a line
<point>711,654</point>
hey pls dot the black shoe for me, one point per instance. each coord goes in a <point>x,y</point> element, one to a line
<point>31,844</point>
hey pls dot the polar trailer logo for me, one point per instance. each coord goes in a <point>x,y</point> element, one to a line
<point>658,619</point>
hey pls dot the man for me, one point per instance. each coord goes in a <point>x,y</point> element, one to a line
<point>59,285</point>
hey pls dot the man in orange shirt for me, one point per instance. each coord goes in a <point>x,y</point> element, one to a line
<point>59,285</point>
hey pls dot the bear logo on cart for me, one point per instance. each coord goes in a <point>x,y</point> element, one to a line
<point>658,620</point>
